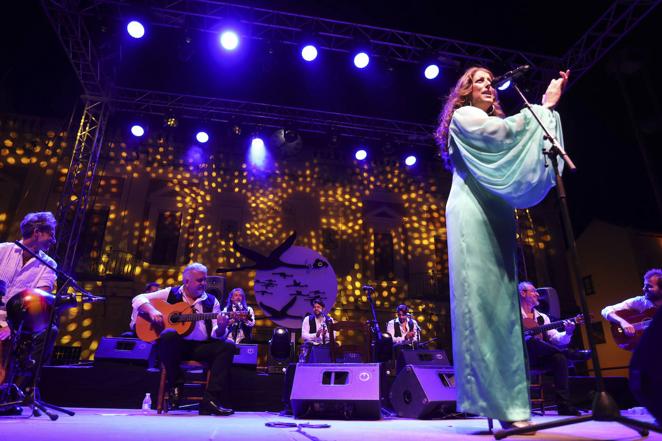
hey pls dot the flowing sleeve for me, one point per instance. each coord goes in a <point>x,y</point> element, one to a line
<point>506,155</point>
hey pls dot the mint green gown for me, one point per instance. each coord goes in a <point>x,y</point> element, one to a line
<point>498,166</point>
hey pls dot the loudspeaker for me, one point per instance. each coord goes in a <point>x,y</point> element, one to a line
<point>421,357</point>
<point>424,392</point>
<point>125,350</point>
<point>645,368</point>
<point>334,390</point>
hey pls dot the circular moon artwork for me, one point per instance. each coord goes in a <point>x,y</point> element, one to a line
<point>284,293</point>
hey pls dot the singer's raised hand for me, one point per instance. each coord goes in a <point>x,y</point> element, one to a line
<point>555,89</point>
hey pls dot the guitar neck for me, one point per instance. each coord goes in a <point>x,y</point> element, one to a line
<point>195,317</point>
<point>545,328</point>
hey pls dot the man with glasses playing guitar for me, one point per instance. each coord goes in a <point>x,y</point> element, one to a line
<point>630,318</point>
<point>545,344</point>
<point>187,324</point>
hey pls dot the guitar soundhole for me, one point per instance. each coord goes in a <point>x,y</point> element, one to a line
<point>174,318</point>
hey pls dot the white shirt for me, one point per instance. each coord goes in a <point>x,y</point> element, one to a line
<point>404,328</point>
<point>250,322</point>
<point>639,304</point>
<point>312,337</point>
<point>555,337</point>
<point>18,277</point>
<point>199,332</point>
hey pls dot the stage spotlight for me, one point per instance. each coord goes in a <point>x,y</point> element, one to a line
<point>361,60</point>
<point>504,86</point>
<point>202,137</point>
<point>309,52</point>
<point>229,40</point>
<point>258,152</point>
<point>431,71</point>
<point>135,29</point>
<point>137,130</point>
<point>410,160</point>
<point>361,154</point>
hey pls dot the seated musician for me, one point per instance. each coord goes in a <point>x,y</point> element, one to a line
<point>545,350</point>
<point>404,330</point>
<point>651,299</point>
<point>240,326</point>
<point>208,342</point>
<point>314,329</point>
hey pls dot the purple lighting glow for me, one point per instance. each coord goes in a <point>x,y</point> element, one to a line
<point>202,137</point>
<point>137,130</point>
<point>361,60</point>
<point>309,52</point>
<point>410,160</point>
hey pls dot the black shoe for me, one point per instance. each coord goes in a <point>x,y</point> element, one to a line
<point>568,410</point>
<point>578,354</point>
<point>175,396</point>
<point>211,408</point>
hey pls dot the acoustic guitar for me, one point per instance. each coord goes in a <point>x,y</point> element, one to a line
<point>178,316</point>
<point>640,321</point>
<point>531,327</point>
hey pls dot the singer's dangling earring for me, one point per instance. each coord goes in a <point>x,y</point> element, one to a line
<point>490,110</point>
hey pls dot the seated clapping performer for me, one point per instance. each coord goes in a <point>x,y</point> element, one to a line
<point>545,350</point>
<point>314,329</point>
<point>240,327</point>
<point>403,329</point>
<point>208,342</point>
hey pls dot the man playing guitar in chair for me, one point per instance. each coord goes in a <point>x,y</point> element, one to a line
<point>206,340</point>
<point>630,317</point>
<point>546,349</point>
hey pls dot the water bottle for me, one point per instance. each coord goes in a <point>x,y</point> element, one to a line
<point>147,403</point>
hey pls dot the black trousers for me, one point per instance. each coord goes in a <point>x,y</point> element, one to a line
<point>543,355</point>
<point>172,348</point>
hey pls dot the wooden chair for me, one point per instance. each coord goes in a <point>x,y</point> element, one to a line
<point>163,404</point>
<point>362,328</point>
<point>537,390</point>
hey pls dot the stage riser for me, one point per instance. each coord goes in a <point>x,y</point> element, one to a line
<point>124,386</point>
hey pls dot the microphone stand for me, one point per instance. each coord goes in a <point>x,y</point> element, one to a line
<point>604,407</point>
<point>33,398</point>
<point>376,337</point>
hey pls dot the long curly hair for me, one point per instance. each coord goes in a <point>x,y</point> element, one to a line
<point>460,96</point>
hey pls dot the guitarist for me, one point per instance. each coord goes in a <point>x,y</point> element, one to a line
<point>207,342</point>
<point>547,352</point>
<point>651,298</point>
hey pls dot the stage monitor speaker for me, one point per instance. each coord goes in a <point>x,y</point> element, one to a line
<point>335,390</point>
<point>424,392</point>
<point>421,357</point>
<point>646,366</point>
<point>125,350</point>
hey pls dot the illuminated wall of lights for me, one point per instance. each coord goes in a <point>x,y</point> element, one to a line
<point>336,208</point>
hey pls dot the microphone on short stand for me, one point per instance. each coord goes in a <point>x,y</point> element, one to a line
<point>510,75</point>
<point>368,288</point>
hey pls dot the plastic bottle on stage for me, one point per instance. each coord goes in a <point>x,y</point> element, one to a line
<point>147,403</point>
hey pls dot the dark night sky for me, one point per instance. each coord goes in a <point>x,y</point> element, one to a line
<point>611,184</point>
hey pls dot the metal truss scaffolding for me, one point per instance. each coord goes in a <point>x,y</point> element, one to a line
<point>69,17</point>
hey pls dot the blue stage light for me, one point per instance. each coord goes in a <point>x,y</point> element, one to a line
<point>137,130</point>
<point>361,154</point>
<point>135,29</point>
<point>309,52</point>
<point>202,137</point>
<point>229,40</point>
<point>258,152</point>
<point>410,160</point>
<point>361,60</point>
<point>431,71</point>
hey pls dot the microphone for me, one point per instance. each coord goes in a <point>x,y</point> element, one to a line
<point>368,288</point>
<point>510,75</point>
